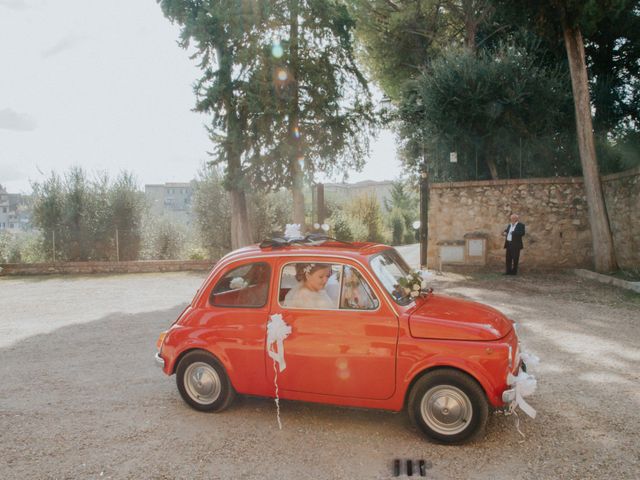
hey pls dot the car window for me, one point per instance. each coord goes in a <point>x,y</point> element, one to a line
<point>390,267</point>
<point>245,286</point>
<point>356,292</point>
<point>324,286</point>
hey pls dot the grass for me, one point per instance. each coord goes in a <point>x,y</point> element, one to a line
<point>630,275</point>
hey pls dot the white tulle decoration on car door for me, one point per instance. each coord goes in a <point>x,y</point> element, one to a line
<point>277,332</point>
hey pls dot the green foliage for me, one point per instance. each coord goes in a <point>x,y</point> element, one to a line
<point>310,109</point>
<point>404,207</point>
<point>268,111</point>
<point>212,213</point>
<point>366,210</point>
<point>399,39</point>
<point>496,105</point>
<point>396,221</point>
<point>80,216</point>
<point>9,248</point>
<point>269,213</point>
<point>611,32</point>
<point>340,226</point>
<point>21,247</point>
<point>125,207</point>
<point>163,239</point>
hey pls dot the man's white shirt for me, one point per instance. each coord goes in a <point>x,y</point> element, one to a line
<point>511,229</point>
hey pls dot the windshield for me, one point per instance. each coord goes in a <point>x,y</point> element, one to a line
<point>390,267</point>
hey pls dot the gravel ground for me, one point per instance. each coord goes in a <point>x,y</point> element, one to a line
<point>80,396</point>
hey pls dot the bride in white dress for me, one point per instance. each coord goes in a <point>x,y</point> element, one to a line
<point>310,291</point>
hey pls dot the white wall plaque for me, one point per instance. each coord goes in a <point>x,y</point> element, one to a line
<point>476,247</point>
<point>452,253</point>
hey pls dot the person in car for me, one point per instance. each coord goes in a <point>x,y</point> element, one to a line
<point>310,291</point>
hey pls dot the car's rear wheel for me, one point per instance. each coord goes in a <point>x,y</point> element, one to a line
<point>448,406</point>
<point>203,383</point>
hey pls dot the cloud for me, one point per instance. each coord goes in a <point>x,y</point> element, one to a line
<point>61,46</point>
<point>14,4</point>
<point>12,120</point>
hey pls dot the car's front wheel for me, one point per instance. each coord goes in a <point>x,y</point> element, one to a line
<point>203,383</point>
<point>448,406</point>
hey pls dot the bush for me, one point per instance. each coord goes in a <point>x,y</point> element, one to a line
<point>269,212</point>
<point>340,228</point>
<point>21,247</point>
<point>397,227</point>
<point>366,210</point>
<point>162,239</point>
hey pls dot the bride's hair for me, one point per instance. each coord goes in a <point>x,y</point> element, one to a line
<point>302,269</point>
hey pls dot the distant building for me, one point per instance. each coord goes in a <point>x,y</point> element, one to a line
<point>171,199</point>
<point>344,192</point>
<point>15,213</point>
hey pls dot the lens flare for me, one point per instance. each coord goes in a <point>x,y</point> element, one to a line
<point>342,369</point>
<point>296,133</point>
<point>276,50</point>
<point>282,75</point>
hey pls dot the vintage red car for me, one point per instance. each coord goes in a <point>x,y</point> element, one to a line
<point>356,338</point>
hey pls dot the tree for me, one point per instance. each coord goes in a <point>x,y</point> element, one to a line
<point>403,210</point>
<point>484,107</point>
<point>366,210</point>
<point>212,212</point>
<point>310,107</point>
<point>79,217</point>
<point>225,34</point>
<point>571,16</point>
<point>163,239</point>
<point>47,212</point>
<point>400,38</point>
<point>126,206</point>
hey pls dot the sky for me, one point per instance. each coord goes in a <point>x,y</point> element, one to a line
<point>104,85</point>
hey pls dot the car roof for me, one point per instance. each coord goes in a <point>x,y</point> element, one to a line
<point>355,250</point>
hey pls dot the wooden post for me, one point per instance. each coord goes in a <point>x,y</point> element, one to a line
<point>117,247</point>
<point>424,215</point>
<point>320,203</point>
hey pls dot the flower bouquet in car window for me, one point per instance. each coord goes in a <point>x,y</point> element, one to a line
<point>413,286</point>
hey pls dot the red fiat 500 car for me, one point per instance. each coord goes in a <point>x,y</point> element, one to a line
<point>357,338</point>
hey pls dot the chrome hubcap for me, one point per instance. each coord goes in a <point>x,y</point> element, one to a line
<point>202,383</point>
<point>446,409</point>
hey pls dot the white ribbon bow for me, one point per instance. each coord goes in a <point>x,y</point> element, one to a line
<point>277,332</point>
<point>524,385</point>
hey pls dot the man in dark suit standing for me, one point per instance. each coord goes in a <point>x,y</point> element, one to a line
<point>513,244</point>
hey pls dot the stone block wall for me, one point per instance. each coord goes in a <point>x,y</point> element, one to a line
<point>105,267</point>
<point>622,194</point>
<point>554,211</point>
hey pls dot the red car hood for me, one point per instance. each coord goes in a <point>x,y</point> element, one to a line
<point>442,317</point>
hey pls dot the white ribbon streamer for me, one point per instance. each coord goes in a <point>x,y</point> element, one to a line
<point>277,332</point>
<point>524,385</point>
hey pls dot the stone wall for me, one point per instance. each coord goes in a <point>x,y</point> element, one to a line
<point>105,267</point>
<point>622,194</point>
<point>554,211</point>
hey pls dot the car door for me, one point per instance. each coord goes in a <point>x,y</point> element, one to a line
<point>237,313</point>
<point>343,351</point>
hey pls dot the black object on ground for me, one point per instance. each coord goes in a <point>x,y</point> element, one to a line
<point>396,467</point>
